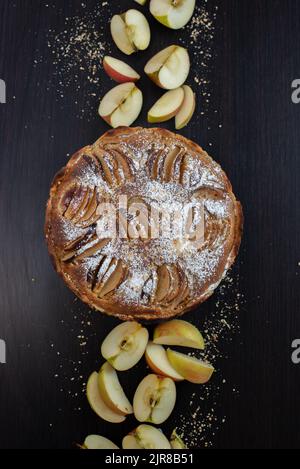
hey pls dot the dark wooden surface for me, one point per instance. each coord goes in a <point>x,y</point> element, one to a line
<point>258,145</point>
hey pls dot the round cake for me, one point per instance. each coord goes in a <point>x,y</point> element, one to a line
<point>143,224</point>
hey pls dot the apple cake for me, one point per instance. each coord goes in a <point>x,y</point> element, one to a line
<point>127,273</point>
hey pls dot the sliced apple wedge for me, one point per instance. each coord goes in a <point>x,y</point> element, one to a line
<point>130,31</point>
<point>157,359</point>
<point>120,35</point>
<point>141,2</point>
<point>98,442</point>
<point>193,370</point>
<point>174,14</point>
<point>146,437</point>
<point>166,107</point>
<point>119,70</point>
<point>97,403</point>
<point>125,345</point>
<point>169,68</point>
<point>187,109</point>
<point>112,392</point>
<point>179,333</point>
<point>154,399</point>
<point>138,29</point>
<point>122,105</point>
<point>177,442</point>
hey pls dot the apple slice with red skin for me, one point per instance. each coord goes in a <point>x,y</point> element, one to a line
<point>119,71</point>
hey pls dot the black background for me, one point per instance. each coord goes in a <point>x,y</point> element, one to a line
<point>258,146</point>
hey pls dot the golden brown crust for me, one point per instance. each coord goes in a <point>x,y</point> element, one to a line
<point>113,277</point>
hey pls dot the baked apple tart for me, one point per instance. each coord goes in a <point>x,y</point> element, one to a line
<point>143,224</point>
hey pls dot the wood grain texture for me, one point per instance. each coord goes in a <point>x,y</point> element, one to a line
<point>258,146</point>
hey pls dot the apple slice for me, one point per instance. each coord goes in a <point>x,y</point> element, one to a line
<point>177,442</point>
<point>179,333</point>
<point>146,437</point>
<point>97,403</point>
<point>157,359</point>
<point>138,29</point>
<point>169,68</point>
<point>122,105</point>
<point>125,345</point>
<point>154,399</point>
<point>174,14</point>
<point>119,70</point>
<point>130,31</point>
<point>120,35</point>
<point>166,107</point>
<point>193,370</point>
<point>141,2</point>
<point>187,109</point>
<point>112,392</point>
<point>98,442</point>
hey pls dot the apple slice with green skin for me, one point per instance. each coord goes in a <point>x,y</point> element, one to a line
<point>97,403</point>
<point>193,370</point>
<point>169,68</point>
<point>154,399</point>
<point>119,70</point>
<point>146,437</point>
<point>174,14</point>
<point>179,333</point>
<point>112,392</point>
<point>157,359</point>
<point>130,31</point>
<point>187,109</point>
<point>122,105</point>
<point>166,107</point>
<point>177,442</point>
<point>98,442</point>
<point>125,345</point>
<point>141,2</point>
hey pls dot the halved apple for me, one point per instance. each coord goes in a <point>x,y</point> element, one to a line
<point>122,105</point>
<point>98,442</point>
<point>169,68</point>
<point>154,399</point>
<point>97,403</point>
<point>119,70</point>
<point>112,392</point>
<point>173,13</point>
<point>177,442</point>
<point>193,370</point>
<point>157,359</point>
<point>125,345</point>
<point>166,107</point>
<point>179,333</point>
<point>146,437</point>
<point>187,109</point>
<point>130,31</point>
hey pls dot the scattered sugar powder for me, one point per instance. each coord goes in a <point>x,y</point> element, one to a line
<point>201,32</point>
<point>203,418</point>
<point>77,51</point>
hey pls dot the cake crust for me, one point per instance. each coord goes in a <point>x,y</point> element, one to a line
<point>134,279</point>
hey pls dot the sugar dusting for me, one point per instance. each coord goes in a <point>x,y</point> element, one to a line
<point>77,51</point>
<point>203,418</point>
<point>201,33</point>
